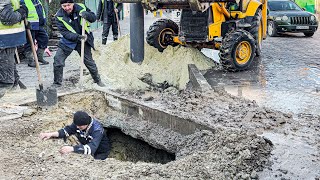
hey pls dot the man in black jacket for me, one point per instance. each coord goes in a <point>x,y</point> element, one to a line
<point>69,24</point>
<point>90,134</point>
<point>106,13</point>
<point>12,34</point>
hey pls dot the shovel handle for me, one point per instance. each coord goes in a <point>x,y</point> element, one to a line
<point>34,55</point>
<point>17,56</point>
<point>82,52</point>
<point>117,17</point>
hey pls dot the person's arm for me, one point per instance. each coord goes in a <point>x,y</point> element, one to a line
<point>119,7</point>
<point>62,133</point>
<point>89,15</point>
<point>66,33</point>
<point>92,146</point>
<point>99,11</point>
<point>67,131</point>
<point>8,16</point>
<point>45,136</point>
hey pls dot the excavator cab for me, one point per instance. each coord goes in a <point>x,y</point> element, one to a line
<point>234,27</point>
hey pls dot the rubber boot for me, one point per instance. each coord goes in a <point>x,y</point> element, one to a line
<point>115,37</point>
<point>40,53</point>
<point>29,57</point>
<point>104,41</point>
<point>58,76</point>
<point>97,79</point>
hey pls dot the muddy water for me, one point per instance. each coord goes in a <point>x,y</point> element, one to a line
<point>292,158</point>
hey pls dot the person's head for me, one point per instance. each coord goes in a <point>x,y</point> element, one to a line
<point>81,119</point>
<point>67,5</point>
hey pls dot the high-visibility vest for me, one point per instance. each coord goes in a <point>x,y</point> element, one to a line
<point>13,35</point>
<point>32,12</point>
<point>69,27</point>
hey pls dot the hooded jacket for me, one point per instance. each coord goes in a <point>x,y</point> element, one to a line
<point>11,25</point>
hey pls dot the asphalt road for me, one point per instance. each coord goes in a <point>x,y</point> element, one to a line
<point>286,77</point>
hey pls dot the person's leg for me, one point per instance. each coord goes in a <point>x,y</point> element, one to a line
<point>105,32</point>
<point>42,39</point>
<point>58,64</point>
<point>89,63</point>
<point>28,51</point>
<point>16,76</point>
<point>115,29</point>
<point>7,63</point>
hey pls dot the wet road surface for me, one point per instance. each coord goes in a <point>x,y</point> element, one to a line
<point>286,77</point>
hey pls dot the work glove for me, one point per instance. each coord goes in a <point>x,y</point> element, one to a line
<point>86,15</point>
<point>28,25</point>
<point>23,10</point>
<point>80,37</point>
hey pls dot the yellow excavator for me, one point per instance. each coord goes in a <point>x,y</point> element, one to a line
<point>234,27</point>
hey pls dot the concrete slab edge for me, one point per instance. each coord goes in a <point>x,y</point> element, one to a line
<point>197,79</point>
<point>130,107</point>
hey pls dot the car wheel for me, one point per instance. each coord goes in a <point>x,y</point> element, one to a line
<point>272,31</point>
<point>309,34</point>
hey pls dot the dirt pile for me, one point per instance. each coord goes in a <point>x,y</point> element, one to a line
<point>116,68</point>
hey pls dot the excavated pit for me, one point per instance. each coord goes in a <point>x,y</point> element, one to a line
<point>148,143</point>
<point>127,148</point>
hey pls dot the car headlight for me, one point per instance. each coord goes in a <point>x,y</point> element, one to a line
<point>312,18</point>
<point>278,18</point>
<point>285,18</point>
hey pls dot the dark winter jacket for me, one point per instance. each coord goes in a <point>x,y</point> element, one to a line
<point>105,8</point>
<point>71,39</point>
<point>40,12</point>
<point>93,141</point>
<point>10,17</point>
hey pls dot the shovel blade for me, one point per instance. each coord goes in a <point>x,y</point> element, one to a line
<point>47,97</point>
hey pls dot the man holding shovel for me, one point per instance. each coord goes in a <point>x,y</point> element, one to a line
<point>108,13</point>
<point>12,34</point>
<point>69,22</point>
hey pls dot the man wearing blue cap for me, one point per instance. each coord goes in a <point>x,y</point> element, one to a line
<point>90,134</point>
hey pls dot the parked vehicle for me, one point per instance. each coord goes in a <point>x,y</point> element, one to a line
<point>287,16</point>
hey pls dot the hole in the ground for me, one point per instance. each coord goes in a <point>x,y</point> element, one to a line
<point>127,148</point>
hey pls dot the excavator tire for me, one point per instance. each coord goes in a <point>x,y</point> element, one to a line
<point>237,50</point>
<point>256,30</point>
<point>160,34</point>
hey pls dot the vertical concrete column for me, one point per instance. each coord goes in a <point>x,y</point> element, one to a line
<point>136,33</point>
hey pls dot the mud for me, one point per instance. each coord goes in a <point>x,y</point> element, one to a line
<point>222,153</point>
<point>295,137</point>
<point>239,147</point>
